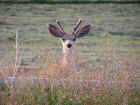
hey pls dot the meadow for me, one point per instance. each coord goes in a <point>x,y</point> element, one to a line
<point>109,54</point>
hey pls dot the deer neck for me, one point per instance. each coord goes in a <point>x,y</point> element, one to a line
<point>67,56</point>
<point>67,51</point>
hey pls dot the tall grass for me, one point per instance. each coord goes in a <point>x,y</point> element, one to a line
<point>111,82</point>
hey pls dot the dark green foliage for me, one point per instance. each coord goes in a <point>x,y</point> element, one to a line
<point>134,98</point>
<point>38,95</point>
<point>52,97</point>
<point>3,87</point>
<point>70,1</point>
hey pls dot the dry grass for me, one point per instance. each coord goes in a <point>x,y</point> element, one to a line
<point>110,67</point>
<point>108,83</point>
<point>112,72</point>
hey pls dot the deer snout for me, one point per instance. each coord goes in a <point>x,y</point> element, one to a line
<point>69,45</point>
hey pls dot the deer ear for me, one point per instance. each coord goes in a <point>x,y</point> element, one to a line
<point>83,31</point>
<point>55,31</point>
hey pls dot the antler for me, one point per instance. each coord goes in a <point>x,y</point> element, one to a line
<point>77,25</point>
<point>60,26</point>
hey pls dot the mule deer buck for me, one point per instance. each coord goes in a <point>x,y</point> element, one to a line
<point>68,40</point>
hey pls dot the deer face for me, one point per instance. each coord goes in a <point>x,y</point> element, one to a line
<point>68,40</point>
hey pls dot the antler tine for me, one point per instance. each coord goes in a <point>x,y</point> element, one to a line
<point>60,26</point>
<point>77,25</point>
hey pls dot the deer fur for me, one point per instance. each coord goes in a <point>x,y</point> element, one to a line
<point>68,40</point>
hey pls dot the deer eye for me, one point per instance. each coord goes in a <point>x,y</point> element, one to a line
<point>74,39</point>
<point>64,39</point>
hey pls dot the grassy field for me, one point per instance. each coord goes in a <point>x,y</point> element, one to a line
<point>111,51</point>
<point>121,22</point>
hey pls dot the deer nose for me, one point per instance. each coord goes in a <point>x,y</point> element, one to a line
<point>69,45</point>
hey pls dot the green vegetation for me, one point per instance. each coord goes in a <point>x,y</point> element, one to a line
<point>121,22</point>
<point>110,52</point>
<point>66,95</point>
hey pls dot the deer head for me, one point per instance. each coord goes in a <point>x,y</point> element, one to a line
<point>68,40</point>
